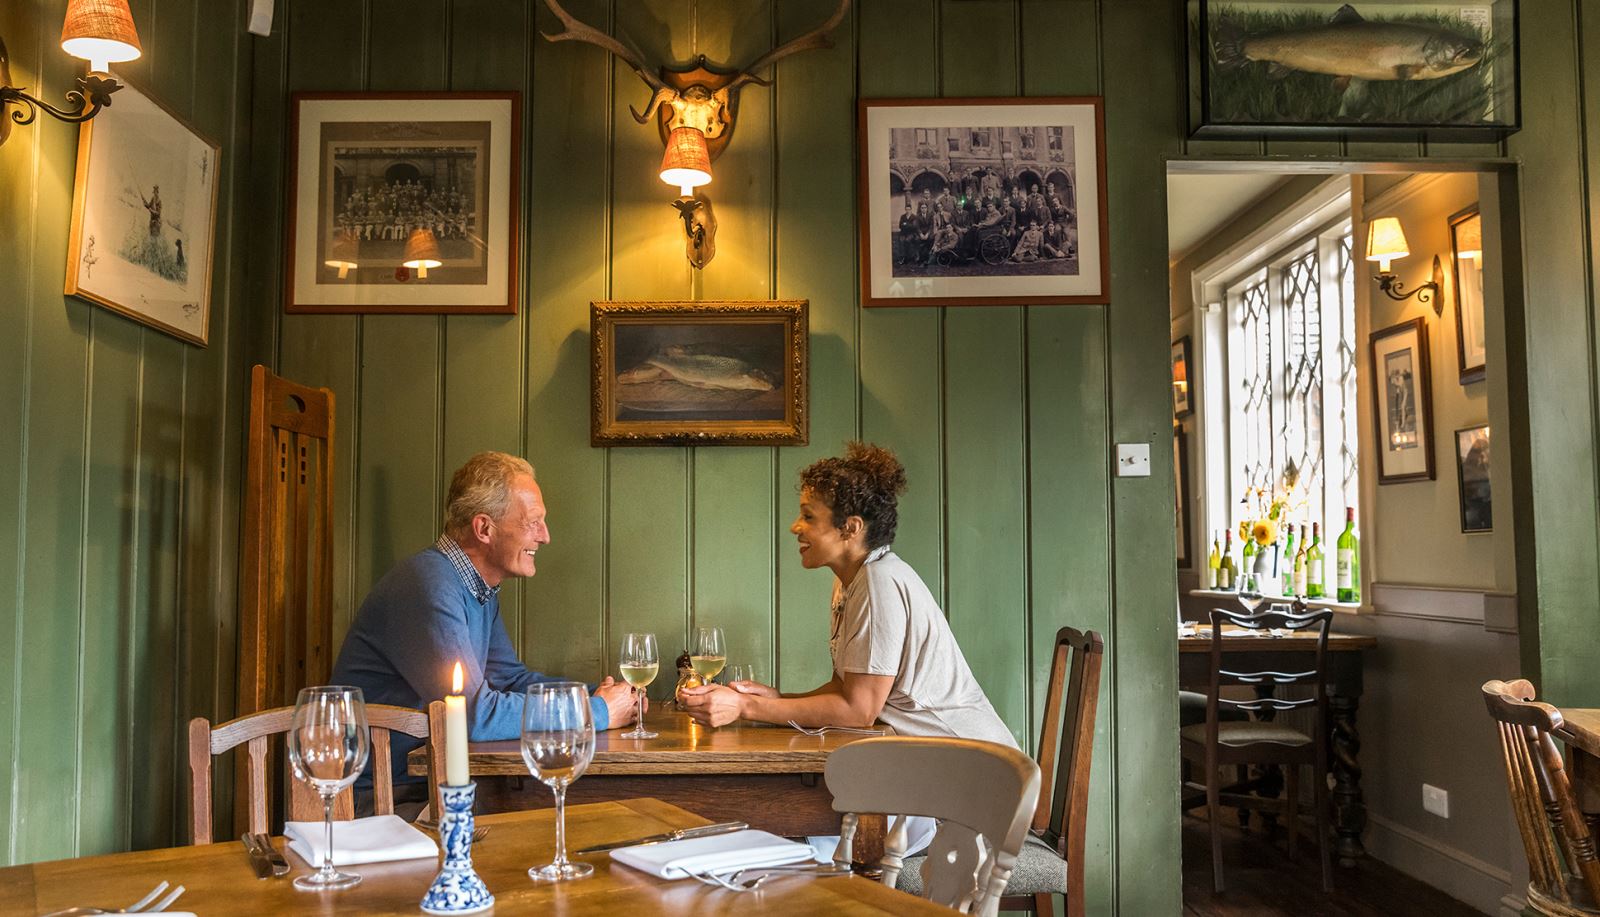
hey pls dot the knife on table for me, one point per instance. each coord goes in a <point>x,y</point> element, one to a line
<point>726,827</point>
<point>258,858</point>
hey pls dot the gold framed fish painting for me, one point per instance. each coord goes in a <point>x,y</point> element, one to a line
<point>728,372</point>
<point>1366,68</point>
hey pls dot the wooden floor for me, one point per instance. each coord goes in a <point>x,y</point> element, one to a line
<point>1261,882</point>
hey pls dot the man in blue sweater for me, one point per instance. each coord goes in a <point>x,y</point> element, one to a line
<point>441,605</point>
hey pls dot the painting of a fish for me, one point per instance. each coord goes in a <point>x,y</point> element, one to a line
<point>1379,66</point>
<point>701,373</point>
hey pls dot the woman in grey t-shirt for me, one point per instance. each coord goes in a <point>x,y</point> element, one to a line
<point>894,657</point>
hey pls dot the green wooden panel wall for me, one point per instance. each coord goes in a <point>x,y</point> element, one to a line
<point>118,506</point>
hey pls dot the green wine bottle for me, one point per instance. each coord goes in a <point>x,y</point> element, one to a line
<point>1348,560</point>
<point>1314,565</point>
<point>1288,567</point>
<point>1214,565</point>
<point>1226,570</point>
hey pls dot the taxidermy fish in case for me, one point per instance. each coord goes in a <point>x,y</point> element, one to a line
<point>1380,68</point>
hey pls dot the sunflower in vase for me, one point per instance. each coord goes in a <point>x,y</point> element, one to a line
<point>1259,529</point>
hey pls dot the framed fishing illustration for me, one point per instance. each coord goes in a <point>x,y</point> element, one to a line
<point>699,373</point>
<point>1373,68</point>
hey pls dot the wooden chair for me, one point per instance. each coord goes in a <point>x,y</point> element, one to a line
<point>1218,743</point>
<point>304,805</point>
<point>1564,876</point>
<point>984,795</point>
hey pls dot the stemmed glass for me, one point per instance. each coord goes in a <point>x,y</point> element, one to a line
<point>741,672</point>
<point>639,664</point>
<point>557,745</point>
<point>710,653</point>
<point>328,747</point>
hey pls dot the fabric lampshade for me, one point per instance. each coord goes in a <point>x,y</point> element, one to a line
<point>686,164</point>
<point>422,251</point>
<point>101,32</point>
<point>1386,241</point>
<point>346,250</point>
<point>1469,240</point>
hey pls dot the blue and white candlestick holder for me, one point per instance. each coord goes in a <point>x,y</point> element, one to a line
<point>457,889</point>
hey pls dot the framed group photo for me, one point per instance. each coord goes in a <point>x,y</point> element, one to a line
<point>404,202</point>
<point>983,201</point>
<point>699,373</point>
<point>144,217</point>
<point>1402,402</point>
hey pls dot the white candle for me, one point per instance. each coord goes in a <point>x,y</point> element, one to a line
<point>455,734</point>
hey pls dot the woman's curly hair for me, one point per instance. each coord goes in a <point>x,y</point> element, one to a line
<point>865,482</point>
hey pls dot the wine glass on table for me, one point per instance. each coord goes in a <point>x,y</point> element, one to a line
<point>639,664</point>
<point>710,653</point>
<point>557,746</point>
<point>328,748</point>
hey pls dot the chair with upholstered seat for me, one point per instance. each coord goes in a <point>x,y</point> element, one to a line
<point>982,827</point>
<point>1563,872</point>
<point>304,805</point>
<point>1218,742</point>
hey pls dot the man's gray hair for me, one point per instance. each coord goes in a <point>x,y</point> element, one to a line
<point>482,485</point>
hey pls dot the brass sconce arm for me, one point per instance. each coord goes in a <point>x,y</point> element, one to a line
<point>93,93</point>
<point>1390,284</point>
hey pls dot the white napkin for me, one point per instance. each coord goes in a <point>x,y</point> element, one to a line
<point>378,839</point>
<point>720,853</point>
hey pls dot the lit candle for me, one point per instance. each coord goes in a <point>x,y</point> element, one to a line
<point>455,734</point>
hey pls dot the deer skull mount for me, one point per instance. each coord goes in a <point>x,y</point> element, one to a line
<point>697,96</point>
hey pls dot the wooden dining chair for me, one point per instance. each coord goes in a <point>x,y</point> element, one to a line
<point>981,829</point>
<point>1563,873</point>
<point>1218,743</point>
<point>206,741</point>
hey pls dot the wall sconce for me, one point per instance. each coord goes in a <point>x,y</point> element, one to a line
<point>422,252</point>
<point>694,107</point>
<point>1386,242</point>
<point>99,31</point>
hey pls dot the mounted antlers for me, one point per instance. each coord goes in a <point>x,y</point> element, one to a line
<point>696,97</point>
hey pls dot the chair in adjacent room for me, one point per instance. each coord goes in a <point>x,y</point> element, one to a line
<point>253,730</point>
<point>1219,742</point>
<point>974,852</point>
<point>1563,873</point>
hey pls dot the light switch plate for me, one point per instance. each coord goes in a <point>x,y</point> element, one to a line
<point>1435,800</point>
<point>1133,460</point>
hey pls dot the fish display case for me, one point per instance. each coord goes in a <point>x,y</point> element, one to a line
<point>1382,69</point>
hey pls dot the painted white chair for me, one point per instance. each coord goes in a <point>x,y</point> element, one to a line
<point>983,794</point>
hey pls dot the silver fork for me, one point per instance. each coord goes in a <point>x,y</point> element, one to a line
<point>141,906</point>
<point>824,730</point>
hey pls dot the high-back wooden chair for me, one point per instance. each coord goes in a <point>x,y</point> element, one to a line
<point>304,804</point>
<point>1217,742</point>
<point>1564,876</point>
<point>981,829</point>
<point>286,544</point>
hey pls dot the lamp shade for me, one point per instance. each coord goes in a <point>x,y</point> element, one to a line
<point>101,32</point>
<point>346,250</point>
<point>422,251</point>
<point>686,164</point>
<point>1469,240</point>
<point>1386,241</point>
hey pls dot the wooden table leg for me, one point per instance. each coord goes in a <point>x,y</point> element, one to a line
<point>1349,807</point>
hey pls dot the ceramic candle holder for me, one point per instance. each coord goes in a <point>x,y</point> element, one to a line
<point>457,889</point>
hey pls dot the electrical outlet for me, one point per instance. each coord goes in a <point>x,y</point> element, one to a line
<point>1435,800</point>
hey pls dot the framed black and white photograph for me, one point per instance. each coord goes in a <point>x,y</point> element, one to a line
<point>1466,249</point>
<point>404,202</point>
<point>1379,68</point>
<point>982,201</point>
<point>144,216</point>
<point>1472,471</point>
<point>1182,375</point>
<point>1402,402</point>
<point>1180,490</point>
<point>699,373</point>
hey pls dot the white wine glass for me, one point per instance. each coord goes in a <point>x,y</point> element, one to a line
<point>710,652</point>
<point>328,748</point>
<point>640,663</point>
<point>557,746</point>
<point>741,672</point>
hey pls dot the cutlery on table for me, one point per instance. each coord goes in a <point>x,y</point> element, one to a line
<point>479,832</point>
<point>678,835</point>
<point>735,881</point>
<point>143,905</point>
<point>265,859</point>
<point>824,730</point>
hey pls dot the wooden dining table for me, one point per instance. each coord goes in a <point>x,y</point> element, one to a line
<point>1261,651</point>
<point>219,880</point>
<point>1580,731</point>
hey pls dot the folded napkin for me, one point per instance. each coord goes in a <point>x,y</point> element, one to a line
<point>378,839</point>
<point>720,853</point>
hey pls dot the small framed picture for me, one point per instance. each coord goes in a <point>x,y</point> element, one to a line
<point>1181,376</point>
<point>1180,489</point>
<point>144,217</point>
<point>983,201</point>
<point>1402,402</point>
<point>404,202</point>
<point>1472,470</point>
<point>699,373</point>
<point>1466,251</point>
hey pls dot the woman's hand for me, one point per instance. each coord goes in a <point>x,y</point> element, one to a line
<point>753,688</point>
<point>621,702</point>
<point>713,705</point>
